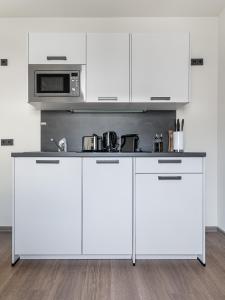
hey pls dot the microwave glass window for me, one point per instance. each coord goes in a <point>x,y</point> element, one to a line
<point>53,83</point>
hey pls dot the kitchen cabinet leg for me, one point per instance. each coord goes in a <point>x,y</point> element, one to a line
<point>202,262</point>
<point>134,214</point>
<point>15,259</point>
<point>133,260</point>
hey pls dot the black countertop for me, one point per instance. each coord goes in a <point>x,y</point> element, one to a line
<point>108,154</point>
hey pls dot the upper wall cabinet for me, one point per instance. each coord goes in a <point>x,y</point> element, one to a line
<point>108,67</point>
<point>57,48</point>
<point>160,67</point>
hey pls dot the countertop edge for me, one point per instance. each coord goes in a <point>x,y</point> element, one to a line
<point>106,154</point>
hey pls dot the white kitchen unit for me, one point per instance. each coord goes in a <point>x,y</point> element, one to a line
<point>107,206</point>
<point>57,48</point>
<point>160,67</point>
<point>82,206</point>
<point>169,197</point>
<point>47,206</point>
<point>108,64</point>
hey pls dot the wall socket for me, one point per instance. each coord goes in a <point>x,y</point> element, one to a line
<point>4,62</point>
<point>7,142</point>
<point>197,61</point>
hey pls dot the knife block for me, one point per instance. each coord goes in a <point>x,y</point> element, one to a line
<point>178,141</point>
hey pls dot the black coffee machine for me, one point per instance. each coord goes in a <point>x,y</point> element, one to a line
<point>109,141</point>
<point>129,143</point>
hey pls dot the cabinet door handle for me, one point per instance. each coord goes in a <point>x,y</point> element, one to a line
<point>107,98</point>
<point>160,98</point>
<point>116,161</point>
<point>169,161</point>
<point>169,177</point>
<point>42,161</point>
<point>56,58</point>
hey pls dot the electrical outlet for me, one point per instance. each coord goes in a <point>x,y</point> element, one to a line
<point>7,142</point>
<point>197,62</point>
<point>4,62</point>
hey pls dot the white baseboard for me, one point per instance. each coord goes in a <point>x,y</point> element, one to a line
<point>207,229</point>
<point>164,256</point>
<point>81,256</point>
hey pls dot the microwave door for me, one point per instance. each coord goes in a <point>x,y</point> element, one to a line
<point>52,85</point>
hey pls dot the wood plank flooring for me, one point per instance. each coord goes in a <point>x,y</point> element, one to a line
<point>114,280</point>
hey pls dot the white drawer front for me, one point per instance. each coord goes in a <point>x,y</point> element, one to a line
<point>169,165</point>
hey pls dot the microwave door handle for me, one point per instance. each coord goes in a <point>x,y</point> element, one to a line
<point>56,58</point>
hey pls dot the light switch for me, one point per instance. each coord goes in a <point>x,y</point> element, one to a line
<point>7,142</point>
<point>4,62</point>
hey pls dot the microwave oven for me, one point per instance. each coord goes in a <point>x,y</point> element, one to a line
<point>58,83</point>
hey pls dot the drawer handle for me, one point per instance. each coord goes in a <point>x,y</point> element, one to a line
<point>160,98</point>
<point>107,98</point>
<point>47,161</point>
<point>107,161</point>
<point>169,177</point>
<point>169,161</point>
<point>56,58</point>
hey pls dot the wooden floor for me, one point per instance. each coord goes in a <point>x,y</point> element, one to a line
<point>87,280</point>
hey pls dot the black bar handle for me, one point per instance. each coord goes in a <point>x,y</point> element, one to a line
<point>169,161</point>
<point>107,161</point>
<point>56,58</point>
<point>160,98</point>
<point>169,177</point>
<point>42,161</point>
<point>107,98</point>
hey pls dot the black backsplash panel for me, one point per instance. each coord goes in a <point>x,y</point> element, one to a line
<point>75,125</point>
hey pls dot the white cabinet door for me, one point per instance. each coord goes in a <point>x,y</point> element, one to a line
<point>107,206</point>
<point>57,48</point>
<point>108,67</point>
<point>47,206</point>
<point>160,67</point>
<point>169,214</point>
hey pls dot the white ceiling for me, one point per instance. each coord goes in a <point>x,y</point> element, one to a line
<point>111,8</point>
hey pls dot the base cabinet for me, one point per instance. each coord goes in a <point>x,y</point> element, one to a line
<point>47,206</point>
<point>107,206</point>
<point>169,214</point>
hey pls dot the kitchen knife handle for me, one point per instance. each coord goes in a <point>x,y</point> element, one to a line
<point>182,125</point>
<point>47,161</point>
<point>178,125</point>
<point>115,161</point>
<point>169,161</point>
<point>56,58</point>
<point>169,177</point>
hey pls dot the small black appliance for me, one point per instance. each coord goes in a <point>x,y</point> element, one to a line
<point>129,143</point>
<point>109,141</point>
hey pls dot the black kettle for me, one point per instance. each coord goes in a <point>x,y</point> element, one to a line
<point>109,141</point>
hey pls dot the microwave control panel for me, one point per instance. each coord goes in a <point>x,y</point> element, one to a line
<point>75,84</point>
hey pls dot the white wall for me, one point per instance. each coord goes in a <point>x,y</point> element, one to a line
<point>20,121</point>
<point>221,124</point>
